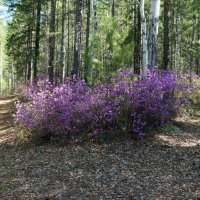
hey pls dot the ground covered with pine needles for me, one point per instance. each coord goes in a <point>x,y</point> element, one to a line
<point>165,165</point>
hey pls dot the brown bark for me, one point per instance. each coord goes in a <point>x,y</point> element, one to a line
<point>52,41</point>
<point>77,36</point>
<point>37,41</point>
<point>87,39</point>
<point>166,36</point>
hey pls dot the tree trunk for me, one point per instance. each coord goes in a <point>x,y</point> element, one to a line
<point>52,41</point>
<point>81,69</point>
<point>153,32</point>
<point>37,41</point>
<point>172,35</point>
<point>198,56</point>
<point>137,37</point>
<point>77,36</point>
<point>87,39</point>
<point>197,46</point>
<point>46,43</point>
<point>94,34</point>
<point>57,72</point>
<point>29,64</point>
<point>68,34</point>
<point>144,39</point>
<point>12,77</point>
<point>113,8</point>
<point>62,50</point>
<point>178,38</point>
<point>166,36</point>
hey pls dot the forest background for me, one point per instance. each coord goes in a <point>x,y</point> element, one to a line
<point>93,39</point>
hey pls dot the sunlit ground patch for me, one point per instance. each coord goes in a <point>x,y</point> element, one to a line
<point>179,141</point>
<point>5,102</point>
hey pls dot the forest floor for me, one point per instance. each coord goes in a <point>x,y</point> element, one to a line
<point>163,166</point>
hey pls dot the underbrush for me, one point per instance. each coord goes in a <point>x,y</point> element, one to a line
<point>119,106</point>
<point>195,94</point>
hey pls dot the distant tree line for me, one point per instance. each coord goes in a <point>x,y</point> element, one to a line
<point>94,38</point>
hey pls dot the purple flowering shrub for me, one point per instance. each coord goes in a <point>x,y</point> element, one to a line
<point>123,104</point>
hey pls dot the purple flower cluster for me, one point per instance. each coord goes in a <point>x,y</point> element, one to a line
<point>123,103</point>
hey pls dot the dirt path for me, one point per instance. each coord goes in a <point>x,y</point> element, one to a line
<point>165,166</point>
<point>6,118</point>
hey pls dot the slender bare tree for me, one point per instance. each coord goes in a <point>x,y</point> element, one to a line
<point>77,37</point>
<point>37,41</point>
<point>94,34</point>
<point>87,39</point>
<point>153,32</point>
<point>144,39</point>
<point>52,41</point>
<point>166,35</point>
<point>62,48</point>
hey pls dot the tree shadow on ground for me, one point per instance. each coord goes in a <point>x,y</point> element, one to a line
<point>188,127</point>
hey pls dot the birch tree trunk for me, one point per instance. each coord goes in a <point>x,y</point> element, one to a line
<point>46,43</point>
<point>62,50</point>
<point>177,42</point>
<point>68,38</point>
<point>171,35</point>
<point>94,34</point>
<point>153,32</point>
<point>144,39</point>
<point>57,71</point>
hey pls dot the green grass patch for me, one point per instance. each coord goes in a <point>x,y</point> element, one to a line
<point>169,128</point>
